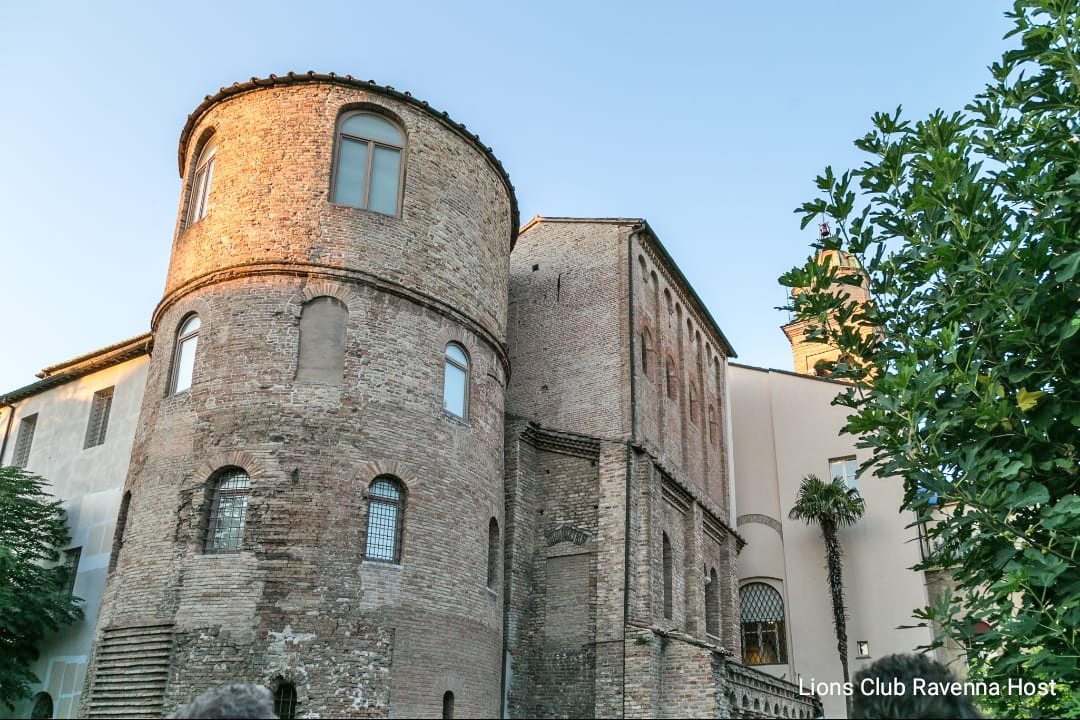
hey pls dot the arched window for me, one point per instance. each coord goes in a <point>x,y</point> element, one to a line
<point>456,381</point>
<point>285,701</point>
<point>321,357</point>
<point>668,570</point>
<point>695,410</point>
<point>200,185</point>
<point>493,555</point>
<point>118,533</point>
<point>646,350</point>
<point>187,339</point>
<point>712,604</point>
<point>228,510</point>
<point>43,706</point>
<point>448,705</point>
<point>369,171</point>
<point>385,510</point>
<point>671,381</point>
<point>762,614</point>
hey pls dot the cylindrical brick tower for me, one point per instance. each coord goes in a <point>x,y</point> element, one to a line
<point>315,495</point>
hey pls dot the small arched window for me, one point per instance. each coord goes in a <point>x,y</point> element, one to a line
<point>228,511</point>
<point>456,381</point>
<point>385,511</point>
<point>321,357</point>
<point>448,705</point>
<point>369,170</point>
<point>646,350</point>
<point>670,379</point>
<point>187,339</point>
<point>493,555</point>
<point>712,604</point>
<point>285,701</point>
<point>668,571</point>
<point>762,620</point>
<point>43,706</point>
<point>200,185</point>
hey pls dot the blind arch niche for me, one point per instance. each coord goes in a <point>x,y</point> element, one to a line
<point>321,356</point>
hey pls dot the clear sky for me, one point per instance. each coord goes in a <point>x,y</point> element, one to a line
<point>709,119</point>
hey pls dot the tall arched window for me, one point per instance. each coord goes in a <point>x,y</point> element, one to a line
<point>321,357</point>
<point>695,408</point>
<point>385,510</point>
<point>118,533</point>
<point>228,511</point>
<point>369,170</point>
<point>43,706</point>
<point>670,379</point>
<point>200,185</point>
<point>285,701</point>
<point>187,339</point>
<point>493,555</point>
<point>646,350</point>
<point>448,705</point>
<point>456,381</point>
<point>668,571</point>
<point>712,604</point>
<point>762,614</point>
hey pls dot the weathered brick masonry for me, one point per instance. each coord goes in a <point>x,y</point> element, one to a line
<point>602,459</point>
<point>298,604</point>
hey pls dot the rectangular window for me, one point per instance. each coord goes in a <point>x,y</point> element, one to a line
<point>845,469</point>
<point>71,562</point>
<point>349,188</point>
<point>99,417</point>
<point>25,438</point>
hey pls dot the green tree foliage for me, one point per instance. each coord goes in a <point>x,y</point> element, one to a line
<point>831,506</point>
<point>967,383</point>
<point>34,598</point>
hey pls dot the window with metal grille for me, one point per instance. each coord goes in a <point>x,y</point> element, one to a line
<point>71,564</point>
<point>844,468</point>
<point>456,381</point>
<point>25,438</point>
<point>762,614</point>
<point>448,705</point>
<point>285,701</point>
<point>385,505</point>
<point>493,555</point>
<point>668,570</point>
<point>99,417</point>
<point>368,172</point>
<point>228,509</point>
<point>187,340</point>
<point>712,604</point>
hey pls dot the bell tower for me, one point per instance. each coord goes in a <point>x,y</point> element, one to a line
<point>810,357</point>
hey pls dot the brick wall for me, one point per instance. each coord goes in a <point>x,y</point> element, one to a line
<point>298,602</point>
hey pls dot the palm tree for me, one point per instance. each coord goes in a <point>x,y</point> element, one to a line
<point>831,505</point>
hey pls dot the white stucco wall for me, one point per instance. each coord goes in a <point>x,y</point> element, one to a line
<point>784,428</point>
<point>89,482</point>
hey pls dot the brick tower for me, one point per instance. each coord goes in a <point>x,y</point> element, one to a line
<point>315,495</point>
<point>809,357</point>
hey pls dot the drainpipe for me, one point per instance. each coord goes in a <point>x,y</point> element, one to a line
<point>7,428</point>
<point>640,228</point>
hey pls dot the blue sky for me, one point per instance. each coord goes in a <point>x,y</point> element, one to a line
<point>711,120</point>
